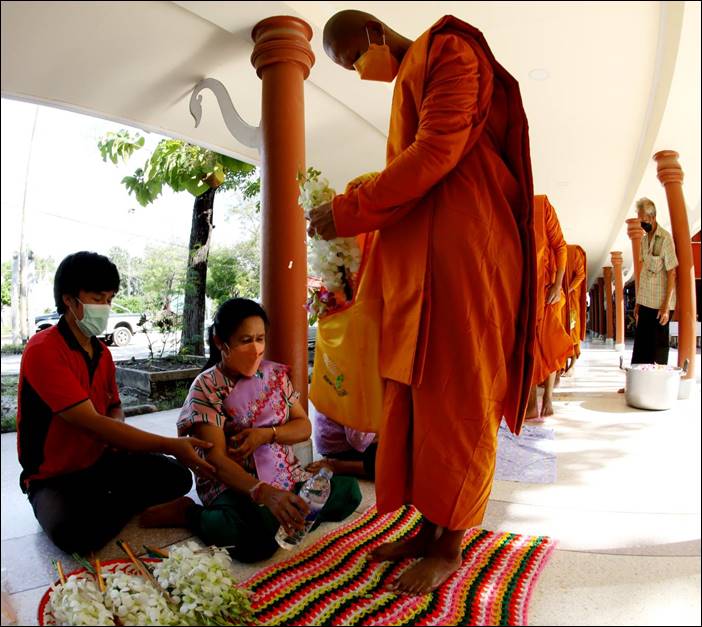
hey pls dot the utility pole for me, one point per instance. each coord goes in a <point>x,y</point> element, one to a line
<point>23,310</point>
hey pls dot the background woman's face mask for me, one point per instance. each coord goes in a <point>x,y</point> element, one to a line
<point>377,63</point>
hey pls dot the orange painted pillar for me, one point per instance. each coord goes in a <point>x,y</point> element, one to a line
<point>283,57</point>
<point>670,174</point>
<point>598,309</point>
<point>635,233</point>
<point>601,316</point>
<point>617,260</point>
<point>607,271</point>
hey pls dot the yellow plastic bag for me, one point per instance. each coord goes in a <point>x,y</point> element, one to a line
<point>346,382</point>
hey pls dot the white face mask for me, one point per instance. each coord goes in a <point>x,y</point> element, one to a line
<point>94,320</point>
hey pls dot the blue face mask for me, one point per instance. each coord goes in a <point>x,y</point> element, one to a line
<point>94,320</point>
<point>647,227</point>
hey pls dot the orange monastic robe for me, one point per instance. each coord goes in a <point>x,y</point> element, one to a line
<point>453,211</point>
<point>575,286</point>
<point>553,344</point>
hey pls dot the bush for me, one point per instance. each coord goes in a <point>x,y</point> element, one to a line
<point>9,403</point>
<point>175,398</point>
<point>13,349</point>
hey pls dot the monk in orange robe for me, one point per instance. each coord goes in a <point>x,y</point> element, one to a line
<point>553,344</point>
<point>453,215</point>
<point>575,287</point>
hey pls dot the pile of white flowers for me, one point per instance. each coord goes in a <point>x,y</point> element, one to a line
<point>334,262</point>
<point>201,590</point>
<point>79,602</point>
<point>204,586</point>
<point>136,602</point>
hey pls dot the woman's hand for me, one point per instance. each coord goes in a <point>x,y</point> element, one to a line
<point>184,451</point>
<point>322,222</point>
<point>288,508</point>
<point>247,441</point>
<point>315,467</point>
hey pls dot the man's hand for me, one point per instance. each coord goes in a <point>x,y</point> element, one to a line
<point>636,313</point>
<point>663,315</point>
<point>247,441</point>
<point>288,508</point>
<point>553,294</point>
<point>184,451</point>
<point>322,222</point>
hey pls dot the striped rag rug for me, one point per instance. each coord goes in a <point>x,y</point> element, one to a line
<point>333,583</point>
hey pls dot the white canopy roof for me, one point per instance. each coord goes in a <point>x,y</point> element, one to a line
<point>605,85</point>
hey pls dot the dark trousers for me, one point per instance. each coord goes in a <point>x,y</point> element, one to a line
<point>234,519</point>
<point>367,457</point>
<point>651,342</point>
<point>82,511</point>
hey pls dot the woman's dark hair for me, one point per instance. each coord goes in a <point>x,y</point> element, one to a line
<point>227,320</point>
<point>85,271</point>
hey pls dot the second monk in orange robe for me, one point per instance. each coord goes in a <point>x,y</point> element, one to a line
<point>453,211</point>
<point>575,287</point>
<point>553,344</point>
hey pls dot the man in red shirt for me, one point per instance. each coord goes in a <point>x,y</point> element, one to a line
<point>85,471</point>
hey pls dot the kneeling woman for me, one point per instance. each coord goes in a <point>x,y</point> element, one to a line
<point>241,399</point>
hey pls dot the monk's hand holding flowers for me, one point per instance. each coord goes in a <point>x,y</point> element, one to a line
<point>322,222</point>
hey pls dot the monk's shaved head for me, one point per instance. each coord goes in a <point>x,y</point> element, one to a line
<point>346,36</point>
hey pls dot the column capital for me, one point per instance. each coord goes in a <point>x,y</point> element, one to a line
<point>669,170</point>
<point>633,228</point>
<point>282,39</point>
<point>617,258</point>
<point>607,271</point>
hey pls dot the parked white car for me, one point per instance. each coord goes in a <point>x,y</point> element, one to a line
<point>121,325</point>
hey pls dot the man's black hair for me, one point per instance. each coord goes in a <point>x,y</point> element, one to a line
<point>86,271</point>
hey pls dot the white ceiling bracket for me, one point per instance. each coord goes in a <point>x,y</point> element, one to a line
<point>241,131</point>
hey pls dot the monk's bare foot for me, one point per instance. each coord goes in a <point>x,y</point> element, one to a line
<point>414,547</point>
<point>532,412</point>
<point>546,408</point>
<point>171,514</point>
<point>397,551</point>
<point>427,575</point>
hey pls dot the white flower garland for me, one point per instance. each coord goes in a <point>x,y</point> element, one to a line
<point>334,262</point>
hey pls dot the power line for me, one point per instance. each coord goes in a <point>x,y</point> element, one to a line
<point>113,229</point>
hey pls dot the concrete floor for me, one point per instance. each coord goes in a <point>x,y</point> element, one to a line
<point>625,510</point>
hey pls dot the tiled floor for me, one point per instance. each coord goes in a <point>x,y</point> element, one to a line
<point>625,510</point>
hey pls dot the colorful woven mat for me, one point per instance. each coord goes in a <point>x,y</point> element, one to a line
<point>332,582</point>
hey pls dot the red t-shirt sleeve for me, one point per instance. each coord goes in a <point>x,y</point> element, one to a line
<point>52,378</point>
<point>115,400</point>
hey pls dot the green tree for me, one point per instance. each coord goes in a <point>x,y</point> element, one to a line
<point>130,269</point>
<point>164,272</point>
<point>184,167</point>
<point>44,268</point>
<point>6,283</point>
<point>234,271</point>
